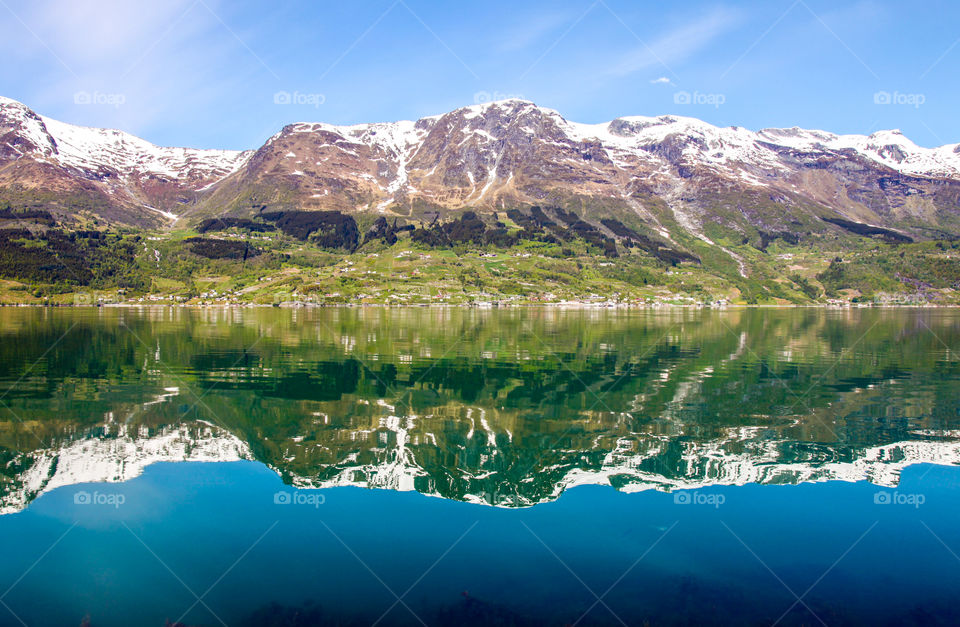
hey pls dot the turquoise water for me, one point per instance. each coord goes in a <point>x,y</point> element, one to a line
<point>485,467</point>
<point>183,526</point>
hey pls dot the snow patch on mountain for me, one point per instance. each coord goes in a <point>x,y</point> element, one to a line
<point>890,148</point>
<point>96,149</point>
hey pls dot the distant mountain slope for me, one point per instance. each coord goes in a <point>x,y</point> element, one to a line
<point>676,176</point>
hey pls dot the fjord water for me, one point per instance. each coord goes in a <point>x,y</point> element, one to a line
<point>535,466</point>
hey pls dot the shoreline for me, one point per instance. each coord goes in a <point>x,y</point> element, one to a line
<point>485,306</point>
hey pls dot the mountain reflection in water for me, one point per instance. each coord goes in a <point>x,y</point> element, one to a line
<point>504,407</point>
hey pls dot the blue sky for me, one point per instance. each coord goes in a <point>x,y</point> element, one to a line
<point>206,73</point>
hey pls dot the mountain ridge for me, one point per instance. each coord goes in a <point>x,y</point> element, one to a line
<point>478,155</point>
<point>821,133</point>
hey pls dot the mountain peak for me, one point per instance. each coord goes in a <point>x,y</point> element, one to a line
<point>506,106</point>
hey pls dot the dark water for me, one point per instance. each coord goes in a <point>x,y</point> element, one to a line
<point>533,467</point>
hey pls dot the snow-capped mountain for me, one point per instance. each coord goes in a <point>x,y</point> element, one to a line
<point>107,166</point>
<point>670,172</point>
<point>477,148</point>
<point>91,149</point>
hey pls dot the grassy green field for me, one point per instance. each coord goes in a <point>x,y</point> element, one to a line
<point>128,267</point>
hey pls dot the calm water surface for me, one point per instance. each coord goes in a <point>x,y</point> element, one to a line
<point>446,466</point>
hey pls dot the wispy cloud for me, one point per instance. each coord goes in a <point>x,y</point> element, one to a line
<point>530,31</point>
<point>663,80</point>
<point>678,44</point>
<point>94,31</point>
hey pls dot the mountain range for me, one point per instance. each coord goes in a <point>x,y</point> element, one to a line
<point>669,175</point>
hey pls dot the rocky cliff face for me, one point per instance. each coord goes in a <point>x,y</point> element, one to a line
<point>667,173</point>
